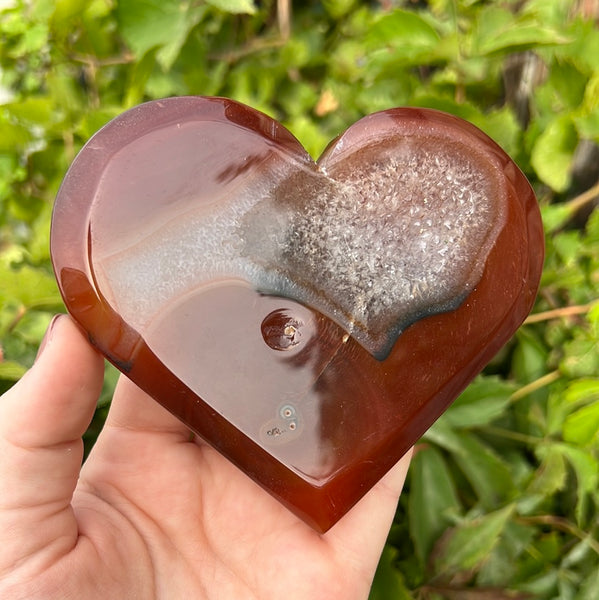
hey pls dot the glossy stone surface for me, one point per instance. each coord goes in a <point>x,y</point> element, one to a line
<point>309,320</point>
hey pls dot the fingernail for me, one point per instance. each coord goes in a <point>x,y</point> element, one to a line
<point>47,335</point>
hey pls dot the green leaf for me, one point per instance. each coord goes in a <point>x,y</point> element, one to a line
<point>502,565</point>
<point>488,473</point>
<point>39,111</point>
<point>499,31</point>
<point>470,544</point>
<point>587,118</point>
<point>543,585</point>
<point>234,6</point>
<point>432,497</point>
<point>587,125</point>
<point>568,84</point>
<point>484,400</point>
<point>563,401</point>
<point>34,39</point>
<point>588,589</point>
<point>397,37</point>
<point>582,426</point>
<point>338,8</point>
<point>165,24</point>
<point>578,552</point>
<point>529,362</point>
<point>401,27</point>
<point>593,317</point>
<point>309,134</point>
<point>11,370</point>
<point>140,75</point>
<point>553,152</point>
<point>581,358</point>
<point>530,356</point>
<point>66,10</point>
<point>388,582</point>
<point>93,120</point>
<point>555,216</point>
<point>567,246</point>
<point>32,326</point>
<point>586,467</point>
<point>28,285</point>
<point>501,126</point>
<point>583,50</point>
<point>551,475</point>
<point>13,136</point>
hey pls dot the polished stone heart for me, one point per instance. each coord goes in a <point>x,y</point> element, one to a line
<point>309,320</point>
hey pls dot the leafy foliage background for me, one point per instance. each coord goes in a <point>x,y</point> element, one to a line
<point>502,497</point>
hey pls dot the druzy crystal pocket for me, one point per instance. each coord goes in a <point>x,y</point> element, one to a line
<point>309,320</point>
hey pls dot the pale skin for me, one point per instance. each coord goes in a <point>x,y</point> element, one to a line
<point>153,513</point>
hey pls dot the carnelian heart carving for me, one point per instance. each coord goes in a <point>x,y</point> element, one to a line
<point>309,320</point>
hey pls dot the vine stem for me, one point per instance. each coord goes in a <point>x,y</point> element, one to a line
<point>284,22</point>
<point>587,196</point>
<point>512,435</point>
<point>284,18</point>
<point>558,313</point>
<point>535,385</point>
<point>88,59</point>
<point>563,525</point>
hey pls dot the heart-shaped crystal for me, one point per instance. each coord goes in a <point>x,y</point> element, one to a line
<point>309,320</point>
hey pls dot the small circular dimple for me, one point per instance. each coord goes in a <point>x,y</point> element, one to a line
<point>287,411</point>
<point>281,330</point>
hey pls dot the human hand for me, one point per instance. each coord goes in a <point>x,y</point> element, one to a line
<point>153,513</point>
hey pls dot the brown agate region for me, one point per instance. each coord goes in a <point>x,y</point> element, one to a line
<point>309,320</point>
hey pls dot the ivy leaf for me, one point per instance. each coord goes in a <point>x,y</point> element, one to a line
<point>588,590</point>
<point>30,286</point>
<point>468,545</point>
<point>553,152</point>
<point>582,426</point>
<point>551,475</point>
<point>432,497</point>
<point>499,31</point>
<point>65,11</point>
<point>388,582</point>
<point>583,50</point>
<point>587,118</point>
<point>146,24</point>
<point>555,216</point>
<point>488,474</point>
<point>234,6</point>
<point>11,370</point>
<point>338,8</point>
<point>579,393</point>
<point>581,357</point>
<point>399,36</point>
<point>586,467</point>
<point>402,26</point>
<point>483,401</point>
<point>13,136</point>
<point>38,111</point>
<point>587,125</point>
<point>504,561</point>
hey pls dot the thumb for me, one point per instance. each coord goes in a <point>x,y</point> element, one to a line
<point>42,419</point>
